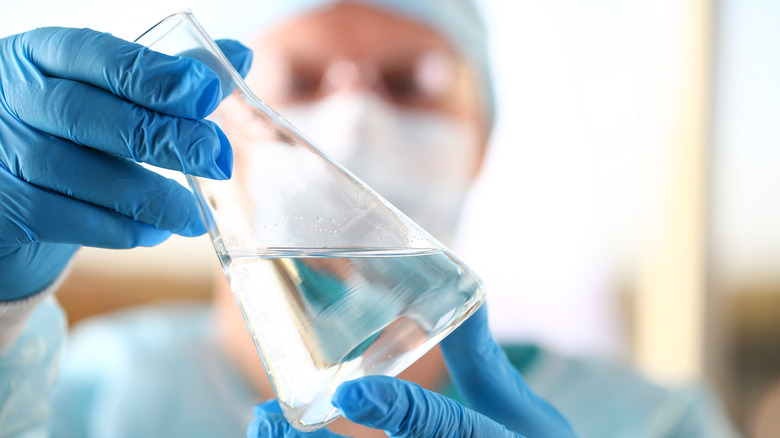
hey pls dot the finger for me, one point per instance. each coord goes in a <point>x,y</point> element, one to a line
<point>491,385</point>
<point>172,85</point>
<point>29,214</point>
<point>404,409</point>
<point>239,55</point>
<point>270,423</point>
<point>92,117</point>
<point>111,182</point>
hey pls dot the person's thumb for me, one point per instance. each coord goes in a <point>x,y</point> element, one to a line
<point>404,409</point>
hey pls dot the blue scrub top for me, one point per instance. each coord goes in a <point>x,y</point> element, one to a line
<point>157,372</point>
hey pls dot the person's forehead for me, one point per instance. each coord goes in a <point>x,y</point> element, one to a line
<point>348,30</point>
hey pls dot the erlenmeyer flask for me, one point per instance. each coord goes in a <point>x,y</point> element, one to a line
<point>333,282</point>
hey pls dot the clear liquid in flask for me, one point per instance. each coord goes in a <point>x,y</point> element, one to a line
<point>323,317</point>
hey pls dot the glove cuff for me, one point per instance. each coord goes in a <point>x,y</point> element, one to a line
<point>14,314</point>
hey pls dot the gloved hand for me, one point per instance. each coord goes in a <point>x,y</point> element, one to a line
<point>78,110</point>
<point>501,403</point>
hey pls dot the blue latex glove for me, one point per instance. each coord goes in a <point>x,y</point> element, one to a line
<point>78,110</point>
<point>501,403</point>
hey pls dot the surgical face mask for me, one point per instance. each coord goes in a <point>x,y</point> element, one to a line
<point>420,161</point>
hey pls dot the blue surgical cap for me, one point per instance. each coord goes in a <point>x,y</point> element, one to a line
<point>459,21</point>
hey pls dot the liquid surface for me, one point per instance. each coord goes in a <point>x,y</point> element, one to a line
<point>321,318</point>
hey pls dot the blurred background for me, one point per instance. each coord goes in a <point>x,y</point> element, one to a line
<point>630,204</point>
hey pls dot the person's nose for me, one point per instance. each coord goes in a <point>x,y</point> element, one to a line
<point>344,75</point>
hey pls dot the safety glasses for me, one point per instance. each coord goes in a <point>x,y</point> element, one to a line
<point>409,77</point>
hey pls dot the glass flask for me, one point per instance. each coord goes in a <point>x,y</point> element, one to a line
<point>333,282</point>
